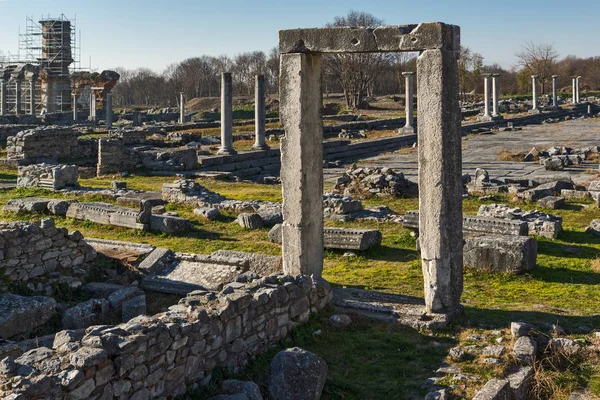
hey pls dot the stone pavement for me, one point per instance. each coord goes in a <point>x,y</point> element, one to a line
<point>481,151</point>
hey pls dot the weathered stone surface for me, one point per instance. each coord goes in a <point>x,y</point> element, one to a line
<point>48,176</point>
<point>340,238</point>
<point>296,374</point>
<point>575,194</point>
<point>250,389</point>
<point>564,346</point>
<point>156,260</point>
<point>518,329</point>
<point>525,349</point>
<point>520,382</point>
<point>117,298</point>
<point>91,312</point>
<point>250,221</point>
<point>27,204</point>
<point>551,202</point>
<point>495,389</point>
<point>477,224</point>
<point>59,207</point>
<point>208,213</point>
<point>554,164</point>
<point>100,290</point>
<point>21,315</point>
<point>169,224</point>
<point>340,321</point>
<point>594,227</point>
<point>133,307</point>
<point>538,223</point>
<point>500,253</point>
<point>261,264</point>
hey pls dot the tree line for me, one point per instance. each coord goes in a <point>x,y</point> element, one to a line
<point>357,76</point>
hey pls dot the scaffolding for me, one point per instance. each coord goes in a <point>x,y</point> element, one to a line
<point>52,45</point>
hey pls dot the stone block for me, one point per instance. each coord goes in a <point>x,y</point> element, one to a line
<point>169,224</point>
<point>575,194</point>
<point>27,204</point>
<point>520,382</point>
<point>296,374</point>
<point>525,349</point>
<point>477,224</point>
<point>156,260</point>
<point>22,315</point>
<point>100,290</point>
<point>250,221</point>
<point>500,253</point>
<point>133,307</point>
<point>495,389</point>
<point>340,238</point>
<point>91,312</point>
<point>551,202</point>
<point>208,213</point>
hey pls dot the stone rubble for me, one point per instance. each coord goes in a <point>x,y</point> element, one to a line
<point>540,224</point>
<point>364,183</point>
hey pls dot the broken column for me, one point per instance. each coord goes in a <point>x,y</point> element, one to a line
<point>18,96</point>
<point>259,114</point>
<point>409,127</point>
<point>574,101</point>
<point>32,94</point>
<point>226,115</point>
<point>2,96</point>
<point>486,98</point>
<point>535,109</point>
<point>301,163</point>
<point>440,190</point>
<point>495,113</point>
<point>92,116</point>
<point>554,91</point>
<point>109,113</point>
<point>181,108</point>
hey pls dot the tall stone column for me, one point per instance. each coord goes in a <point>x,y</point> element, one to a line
<point>578,89</point>
<point>302,164</point>
<point>92,106</point>
<point>226,114</point>
<point>535,109</point>
<point>440,187</point>
<point>554,91</point>
<point>18,96</point>
<point>74,105</point>
<point>486,94</point>
<point>409,126</point>
<point>259,113</point>
<point>574,101</point>
<point>181,108</point>
<point>495,113</point>
<point>32,95</point>
<point>109,112</point>
<point>3,110</point>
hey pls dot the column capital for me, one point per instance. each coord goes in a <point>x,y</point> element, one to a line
<point>486,74</point>
<point>495,75</point>
<point>554,76</point>
<point>534,76</point>
<point>409,73</point>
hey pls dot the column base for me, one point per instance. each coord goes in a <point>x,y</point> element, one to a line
<point>485,118</point>
<point>497,117</point>
<point>535,111</point>
<point>226,152</point>
<point>407,130</point>
<point>260,147</point>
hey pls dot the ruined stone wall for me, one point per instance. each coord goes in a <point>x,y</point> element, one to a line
<point>47,142</point>
<point>9,130</point>
<point>159,356</point>
<point>49,176</point>
<point>42,254</point>
<point>115,156</point>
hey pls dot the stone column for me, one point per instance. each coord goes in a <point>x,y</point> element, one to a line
<point>554,91</point>
<point>535,109</point>
<point>409,126</point>
<point>574,101</point>
<point>109,113</point>
<point>440,187</point>
<point>226,115</point>
<point>486,96</point>
<point>302,164</point>
<point>92,106</point>
<point>259,114</point>
<point>74,106</point>
<point>495,112</point>
<point>18,96</point>
<point>3,97</point>
<point>577,93</point>
<point>181,108</point>
<point>32,95</point>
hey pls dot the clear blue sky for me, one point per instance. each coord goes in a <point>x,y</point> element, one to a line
<point>154,33</point>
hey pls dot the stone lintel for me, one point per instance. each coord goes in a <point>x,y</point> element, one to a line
<point>380,39</point>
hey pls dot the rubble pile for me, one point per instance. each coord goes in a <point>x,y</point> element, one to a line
<point>364,183</point>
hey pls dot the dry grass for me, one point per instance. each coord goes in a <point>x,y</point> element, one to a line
<point>506,155</point>
<point>407,150</point>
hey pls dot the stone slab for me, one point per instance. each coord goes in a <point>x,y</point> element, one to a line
<point>500,253</point>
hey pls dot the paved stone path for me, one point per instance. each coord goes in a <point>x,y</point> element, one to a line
<point>481,151</point>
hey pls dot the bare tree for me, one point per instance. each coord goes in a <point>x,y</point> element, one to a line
<point>355,72</point>
<point>538,59</point>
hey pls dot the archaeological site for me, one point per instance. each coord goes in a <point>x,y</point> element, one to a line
<point>373,209</point>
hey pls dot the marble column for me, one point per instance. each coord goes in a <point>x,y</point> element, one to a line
<point>486,96</point>
<point>574,101</point>
<point>18,96</point>
<point>74,106</point>
<point>181,107</point>
<point>92,116</point>
<point>495,112</point>
<point>409,126</point>
<point>578,92</point>
<point>535,109</point>
<point>109,113</point>
<point>554,91</point>
<point>32,95</point>
<point>226,115</point>
<point>3,110</point>
<point>259,114</point>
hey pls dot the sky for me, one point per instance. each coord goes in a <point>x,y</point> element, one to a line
<point>155,33</point>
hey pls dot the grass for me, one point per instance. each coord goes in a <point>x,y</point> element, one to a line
<point>373,360</point>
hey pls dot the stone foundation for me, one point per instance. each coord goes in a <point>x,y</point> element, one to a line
<point>48,176</point>
<point>159,356</point>
<point>49,142</point>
